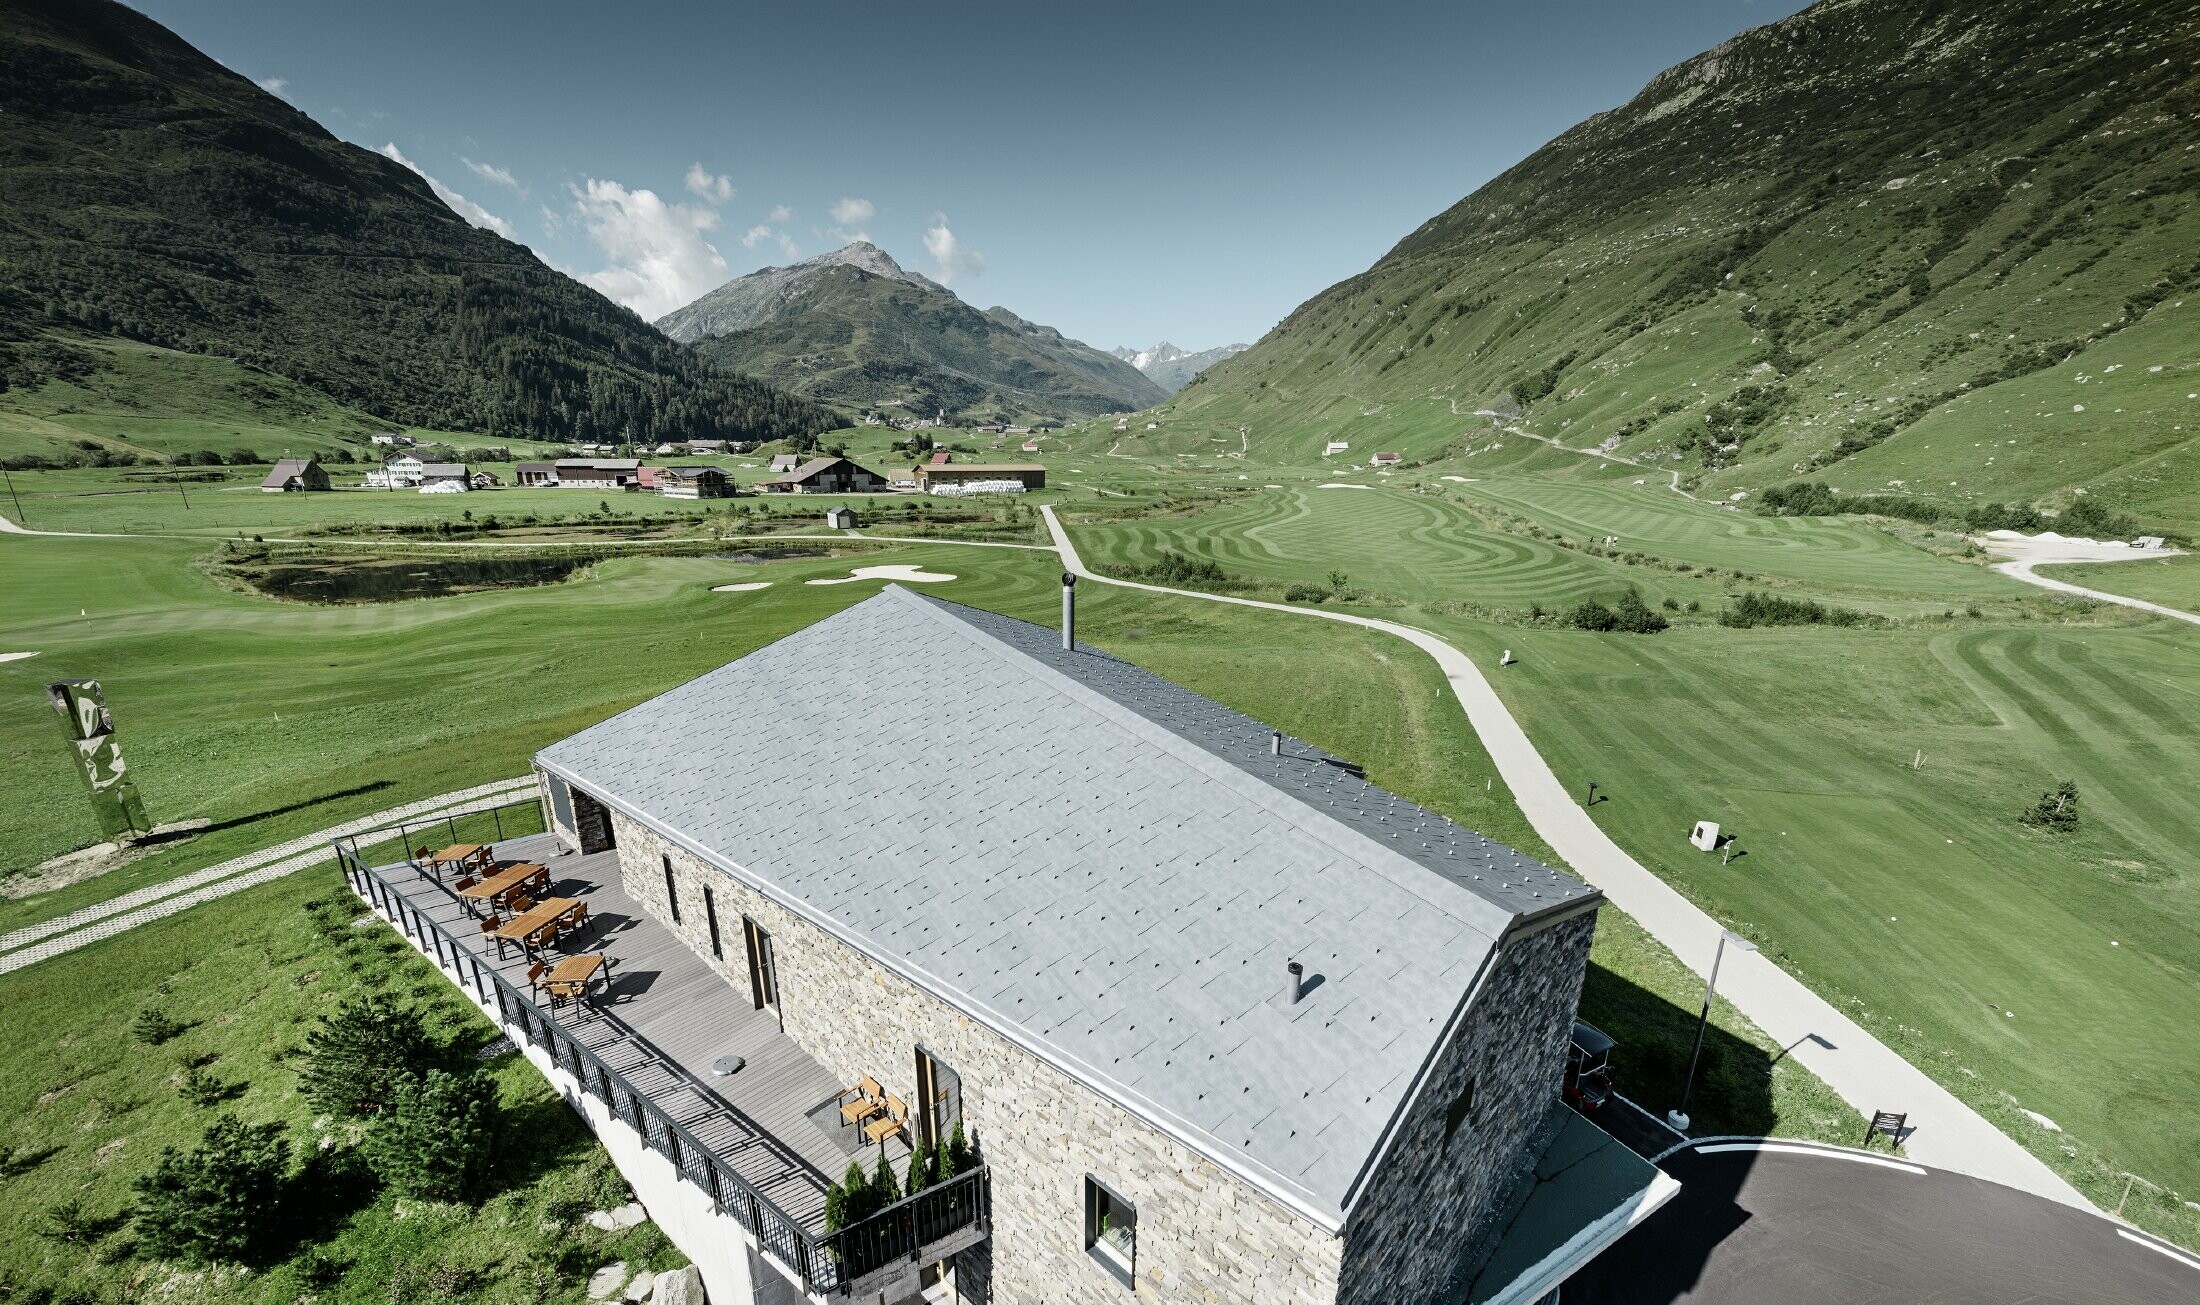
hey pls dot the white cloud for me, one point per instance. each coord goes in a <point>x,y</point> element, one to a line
<point>955,258</point>
<point>788,247</point>
<point>491,172</point>
<point>459,204</point>
<point>274,85</point>
<point>755,236</point>
<point>710,189</point>
<point>658,258</point>
<point>850,212</point>
<point>781,215</point>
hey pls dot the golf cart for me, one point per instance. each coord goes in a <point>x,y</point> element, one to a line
<point>1588,1068</point>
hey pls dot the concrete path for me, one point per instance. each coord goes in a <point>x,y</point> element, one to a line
<point>2025,552</point>
<point>1866,1073</point>
<point>66,933</point>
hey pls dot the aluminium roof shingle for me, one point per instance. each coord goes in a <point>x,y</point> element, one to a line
<point>1108,868</point>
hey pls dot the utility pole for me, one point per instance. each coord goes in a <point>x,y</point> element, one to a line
<point>19,518</point>
<point>1677,1118</point>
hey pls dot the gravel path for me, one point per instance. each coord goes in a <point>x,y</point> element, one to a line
<point>2024,554</point>
<point>1865,1072</point>
<point>66,933</point>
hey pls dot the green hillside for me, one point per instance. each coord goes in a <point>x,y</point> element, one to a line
<point>878,343</point>
<point>1932,248</point>
<point>148,193</point>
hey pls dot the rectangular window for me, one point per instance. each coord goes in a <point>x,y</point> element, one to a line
<point>1462,1109</point>
<point>763,973</point>
<point>672,891</point>
<point>710,913</point>
<point>1111,1231</point>
<point>561,804</point>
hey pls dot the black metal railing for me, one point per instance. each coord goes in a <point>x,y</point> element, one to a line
<point>506,818</point>
<point>824,1263</point>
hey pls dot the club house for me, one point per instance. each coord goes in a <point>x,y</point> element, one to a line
<point>1199,1013</point>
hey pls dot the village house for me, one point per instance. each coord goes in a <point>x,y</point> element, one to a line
<point>292,475</point>
<point>1211,1017</point>
<point>598,473</point>
<point>483,480</point>
<point>694,482</point>
<point>1385,460</point>
<point>782,463</point>
<point>825,475</point>
<point>535,474</point>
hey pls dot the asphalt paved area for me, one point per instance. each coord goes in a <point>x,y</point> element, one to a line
<point>1778,1228</point>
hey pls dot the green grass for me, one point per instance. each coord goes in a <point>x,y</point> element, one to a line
<point>243,972</point>
<point>2171,581</point>
<point>87,1108</point>
<point>1913,898</point>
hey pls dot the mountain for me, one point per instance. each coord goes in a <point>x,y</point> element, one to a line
<point>1172,368</point>
<point>853,328</point>
<point>150,194</point>
<point>766,293</point>
<point>1943,248</point>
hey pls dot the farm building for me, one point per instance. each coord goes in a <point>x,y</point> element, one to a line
<point>825,475</point>
<point>444,478</point>
<point>598,473</point>
<point>782,463</point>
<point>483,480</point>
<point>1385,460</point>
<point>935,478</point>
<point>840,518</point>
<point>694,482</point>
<point>645,478</point>
<point>293,475</point>
<point>535,474</point>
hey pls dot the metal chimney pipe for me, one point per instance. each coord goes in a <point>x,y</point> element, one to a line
<point>1275,743</point>
<point>1298,981</point>
<point>1069,612</point>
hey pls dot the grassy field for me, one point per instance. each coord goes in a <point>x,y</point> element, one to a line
<point>2028,971</point>
<point>88,1107</point>
<point>511,671</point>
<point>2171,581</point>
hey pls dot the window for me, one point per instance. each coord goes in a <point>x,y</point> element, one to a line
<point>710,913</point>
<point>672,890</point>
<point>1462,1108</point>
<point>561,804</point>
<point>939,1099</point>
<point>763,973</point>
<point>1111,1231</point>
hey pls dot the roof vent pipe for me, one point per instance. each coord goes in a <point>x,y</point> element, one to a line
<point>1298,981</point>
<point>1069,612</point>
<point>1275,743</point>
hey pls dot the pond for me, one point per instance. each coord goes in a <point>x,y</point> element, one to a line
<point>371,579</point>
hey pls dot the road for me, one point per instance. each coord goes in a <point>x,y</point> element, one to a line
<point>2024,554</point>
<point>1808,1225</point>
<point>1866,1073</point>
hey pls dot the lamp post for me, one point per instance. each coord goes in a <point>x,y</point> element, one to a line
<point>1678,1116</point>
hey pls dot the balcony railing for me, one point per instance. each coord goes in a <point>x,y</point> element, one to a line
<point>929,1226</point>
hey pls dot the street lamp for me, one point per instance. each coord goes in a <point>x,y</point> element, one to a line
<point>1678,1116</point>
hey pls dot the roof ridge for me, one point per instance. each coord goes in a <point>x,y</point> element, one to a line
<point>1328,829</point>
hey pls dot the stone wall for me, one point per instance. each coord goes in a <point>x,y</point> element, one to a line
<point>1204,1236</point>
<point>1431,1191</point>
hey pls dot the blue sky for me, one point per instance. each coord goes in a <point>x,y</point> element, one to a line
<point>1126,172</point>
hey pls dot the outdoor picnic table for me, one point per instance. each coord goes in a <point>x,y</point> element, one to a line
<point>574,972</point>
<point>455,854</point>
<point>495,887</point>
<point>523,927</point>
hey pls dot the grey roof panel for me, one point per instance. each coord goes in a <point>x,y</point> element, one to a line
<point>1107,867</point>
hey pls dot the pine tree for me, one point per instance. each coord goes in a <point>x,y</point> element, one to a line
<point>361,1055</point>
<point>438,1140</point>
<point>213,1204</point>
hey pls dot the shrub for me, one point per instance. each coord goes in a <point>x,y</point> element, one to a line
<point>1589,614</point>
<point>361,1055</point>
<point>72,1225</point>
<point>212,1204</point>
<point>1174,568</point>
<point>438,1139</point>
<point>2056,812</point>
<point>155,1026</point>
<point>1634,616</point>
<point>202,1088</point>
<point>1753,609</point>
<point>1305,594</point>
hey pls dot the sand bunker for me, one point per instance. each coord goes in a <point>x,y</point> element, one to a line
<point>748,588</point>
<point>1468,480</point>
<point>1338,484</point>
<point>15,657</point>
<point>896,571</point>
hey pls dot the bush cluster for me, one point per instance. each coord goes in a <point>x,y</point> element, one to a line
<point>1753,609</point>
<point>1627,615</point>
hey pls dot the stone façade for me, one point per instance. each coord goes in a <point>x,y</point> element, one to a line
<point>1206,1235</point>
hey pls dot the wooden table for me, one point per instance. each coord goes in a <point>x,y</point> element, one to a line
<point>455,854</point>
<point>523,927</point>
<point>575,971</point>
<point>497,886</point>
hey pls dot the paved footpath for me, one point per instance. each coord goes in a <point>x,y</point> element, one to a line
<point>1866,1073</point>
<point>66,933</point>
